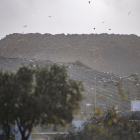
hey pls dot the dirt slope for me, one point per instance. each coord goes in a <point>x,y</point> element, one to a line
<point>106,91</point>
<point>119,54</point>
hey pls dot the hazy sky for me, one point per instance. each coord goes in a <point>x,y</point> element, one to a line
<point>69,16</point>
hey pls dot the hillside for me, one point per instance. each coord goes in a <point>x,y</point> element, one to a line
<point>119,54</point>
<point>107,93</point>
<point>106,57</point>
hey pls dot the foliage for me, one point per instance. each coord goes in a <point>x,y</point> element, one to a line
<point>120,91</point>
<point>79,63</point>
<point>7,102</point>
<point>110,126</point>
<point>135,76</point>
<point>35,96</point>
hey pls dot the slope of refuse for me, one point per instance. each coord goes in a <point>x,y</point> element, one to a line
<point>118,54</point>
<point>106,92</point>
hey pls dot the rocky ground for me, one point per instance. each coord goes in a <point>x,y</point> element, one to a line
<point>106,92</point>
<point>118,54</point>
<point>108,58</point>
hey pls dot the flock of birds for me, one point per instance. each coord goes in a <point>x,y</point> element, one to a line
<point>104,21</point>
<point>93,28</point>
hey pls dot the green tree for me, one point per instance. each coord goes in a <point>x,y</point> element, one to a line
<point>7,102</point>
<point>109,126</point>
<point>42,96</point>
<point>26,104</point>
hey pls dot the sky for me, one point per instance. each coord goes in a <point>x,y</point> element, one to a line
<point>69,16</point>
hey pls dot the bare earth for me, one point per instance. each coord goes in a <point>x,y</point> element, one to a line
<point>119,54</point>
<point>106,57</point>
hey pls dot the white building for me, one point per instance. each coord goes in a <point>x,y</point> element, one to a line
<point>135,105</point>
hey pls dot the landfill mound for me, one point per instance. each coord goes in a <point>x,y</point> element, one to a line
<point>118,54</point>
<point>106,90</point>
<point>108,58</point>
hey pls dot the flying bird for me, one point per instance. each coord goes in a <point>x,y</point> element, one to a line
<point>109,29</point>
<point>103,22</point>
<point>94,28</point>
<point>25,26</point>
<point>49,16</point>
<point>129,13</point>
<point>89,2</point>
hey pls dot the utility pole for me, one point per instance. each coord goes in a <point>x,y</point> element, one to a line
<point>86,107</point>
<point>86,110</point>
<point>95,92</point>
<point>65,127</point>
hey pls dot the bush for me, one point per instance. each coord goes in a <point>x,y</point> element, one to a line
<point>135,76</point>
<point>110,126</point>
<point>37,96</point>
<point>78,63</point>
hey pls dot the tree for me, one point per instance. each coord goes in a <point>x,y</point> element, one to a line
<point>7,102</point>
<point>109,126</point>
<point>26,104</point>
<point>43,96</point>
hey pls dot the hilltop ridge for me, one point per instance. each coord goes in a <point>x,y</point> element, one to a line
<point>119,54</point>
<point>106,57</point>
